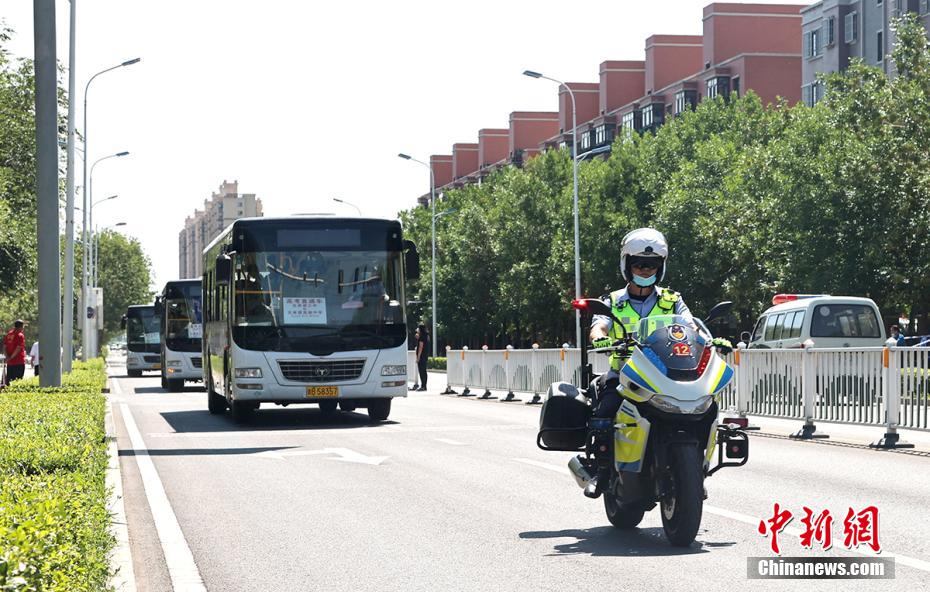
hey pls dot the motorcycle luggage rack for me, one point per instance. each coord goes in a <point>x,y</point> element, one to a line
<point>574,431</point>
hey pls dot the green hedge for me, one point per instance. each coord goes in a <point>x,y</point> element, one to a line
<point>436,363</point>
<point>54,522</point>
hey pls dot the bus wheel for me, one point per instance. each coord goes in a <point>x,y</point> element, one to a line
<point>175,385</point>
<point>379,409</point>
<point>134,373</point>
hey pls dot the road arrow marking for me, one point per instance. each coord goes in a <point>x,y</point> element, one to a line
<point>343,454</point>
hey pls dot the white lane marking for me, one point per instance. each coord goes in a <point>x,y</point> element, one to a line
<point>795,532</point>
<point>451,442</point>
<point>343,454</point>
<point>542,465</point>
<point>354,430</point>
<point>181,566</point>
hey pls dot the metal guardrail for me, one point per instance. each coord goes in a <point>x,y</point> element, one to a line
<point>866,386</point>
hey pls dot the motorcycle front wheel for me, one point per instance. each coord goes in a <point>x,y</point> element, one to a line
<point>683,504</point>
<point>623,516</point>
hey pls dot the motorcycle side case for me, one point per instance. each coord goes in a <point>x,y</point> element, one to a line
<point>630,437</point>
<point>563,419</point>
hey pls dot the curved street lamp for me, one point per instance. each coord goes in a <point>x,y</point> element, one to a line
<point>342,201</point>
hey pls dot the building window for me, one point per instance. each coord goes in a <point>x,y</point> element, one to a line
<point>632,121</point>
<point>585,140</point>
<point>734,91</point>
<point>831,31</point>
<point>812,40</point>
<point>897,9</point>
<point>718,86</point>
<point>851,27</point>
<point>813,93</point>
<point>880,47</point>
<point>685,100</point>
<point>602,135</point>
<point>878,2</point>
<point>924,6</point>
<point>653,116</point>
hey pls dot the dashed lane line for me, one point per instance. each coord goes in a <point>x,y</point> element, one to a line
<point>724,513</point>
<point>181,566</point>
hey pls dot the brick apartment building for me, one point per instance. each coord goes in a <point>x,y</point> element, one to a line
<point>222,209</point>
<point>837,31</point>
<point>743,47</point>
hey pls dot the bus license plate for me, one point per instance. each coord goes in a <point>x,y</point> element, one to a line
<point>322,392</point>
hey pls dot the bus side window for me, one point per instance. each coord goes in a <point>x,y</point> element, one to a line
<point>770,327</point>
<point>797,324</point>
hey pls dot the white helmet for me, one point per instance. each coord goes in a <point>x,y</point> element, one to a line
<point>643,242</point>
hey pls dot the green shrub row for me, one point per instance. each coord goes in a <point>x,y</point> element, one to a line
<point>436,363</point>
<point>54,522</point>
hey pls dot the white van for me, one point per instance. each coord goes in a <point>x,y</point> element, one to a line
<point>827,321</point>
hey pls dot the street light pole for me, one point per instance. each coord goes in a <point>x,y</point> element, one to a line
<point>571,94</point>
<point>93,252</point>
<point>432,200</point>
<point>342,201</point>
<point>85,333</point>
<point>67,327</point>
<point>46,130</point>
<point>90,335</point>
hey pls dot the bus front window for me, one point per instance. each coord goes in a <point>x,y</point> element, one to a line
<point>354,297</point>
<point>183,317</point>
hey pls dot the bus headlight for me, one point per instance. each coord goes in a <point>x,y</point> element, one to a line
<point>394,370</point>
<point>248,372</point>
<point>173,363</point>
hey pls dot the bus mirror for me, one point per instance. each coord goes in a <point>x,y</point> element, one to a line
<point>122,322</point>
<point>223,269</point>
<point>411,260</point>
<point>159,307</point>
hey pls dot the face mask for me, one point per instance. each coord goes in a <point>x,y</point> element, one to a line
<point>644,282</point>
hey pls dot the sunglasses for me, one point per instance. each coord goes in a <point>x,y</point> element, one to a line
<point>645,264</point>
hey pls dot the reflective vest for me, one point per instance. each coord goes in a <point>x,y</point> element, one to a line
<point>623,310</point>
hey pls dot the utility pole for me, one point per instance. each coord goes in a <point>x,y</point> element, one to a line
<point>67,328</point>
<point>47,191</point>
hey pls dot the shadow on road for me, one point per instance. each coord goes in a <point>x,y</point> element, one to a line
<point>297,418</point>
<point>607,541</point>
<point>202,451</point>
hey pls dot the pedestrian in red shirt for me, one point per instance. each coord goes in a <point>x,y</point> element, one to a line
<point>14,345</point>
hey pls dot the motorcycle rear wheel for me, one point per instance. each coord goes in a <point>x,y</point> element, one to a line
<point>623,516</point>
<point>683,506</point>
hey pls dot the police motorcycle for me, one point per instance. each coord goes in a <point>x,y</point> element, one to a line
<point>659,447</point>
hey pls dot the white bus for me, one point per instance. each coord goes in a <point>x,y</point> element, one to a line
<point>306,310</point>
<point>143,328</point>
<point>182,329</point>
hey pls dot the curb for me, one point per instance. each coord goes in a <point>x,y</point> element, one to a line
<point>122,578</point>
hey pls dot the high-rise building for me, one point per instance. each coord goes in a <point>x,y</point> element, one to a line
<point>837,31</point>
<point>222,209</point>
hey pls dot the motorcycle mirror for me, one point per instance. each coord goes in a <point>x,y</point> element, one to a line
<point>719,311</point>
<point>745,336</point>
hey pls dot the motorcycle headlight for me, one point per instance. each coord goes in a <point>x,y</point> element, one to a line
<point>248,372</point>
<point>673,405</point>
<point>394,370</point>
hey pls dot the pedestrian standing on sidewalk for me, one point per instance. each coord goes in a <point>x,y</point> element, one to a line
<point>34,357</point>
<point>416,351</point>
<point>14,345</point>
<point>422,355</point>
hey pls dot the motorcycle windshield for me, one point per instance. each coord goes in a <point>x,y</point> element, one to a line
<point>672,342</point>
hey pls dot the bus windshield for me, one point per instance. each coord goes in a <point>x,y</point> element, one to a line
<point>183,316</point>
<point>318,300</point>
<point>142,330</point>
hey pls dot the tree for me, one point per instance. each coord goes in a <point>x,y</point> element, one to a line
<point>125,274</point>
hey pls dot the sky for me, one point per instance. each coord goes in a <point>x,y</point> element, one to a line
<point>304,101</point>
